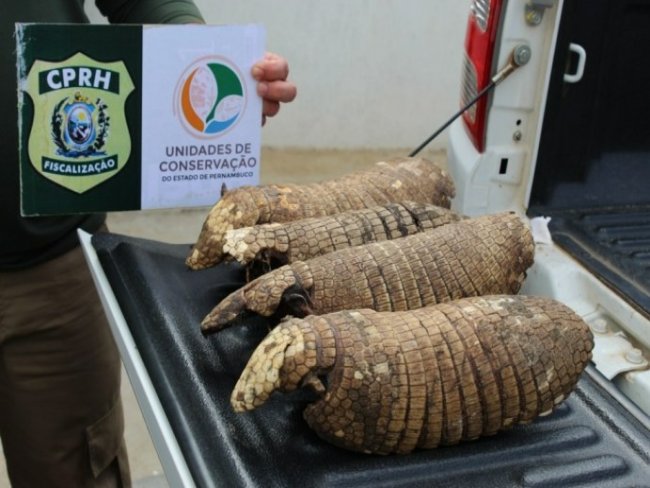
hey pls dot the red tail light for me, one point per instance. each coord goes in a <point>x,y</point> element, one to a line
<point>480,40</point>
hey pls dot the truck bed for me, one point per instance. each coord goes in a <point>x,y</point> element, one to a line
<point>596,438</point>
<point>613,243</point>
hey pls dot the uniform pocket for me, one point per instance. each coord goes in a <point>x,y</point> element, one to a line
<point>106,446</point>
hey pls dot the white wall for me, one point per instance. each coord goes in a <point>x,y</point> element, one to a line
<point>370,73</point>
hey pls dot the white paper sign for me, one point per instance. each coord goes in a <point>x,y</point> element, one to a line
<point>126,117</point>
<point>201,115</point>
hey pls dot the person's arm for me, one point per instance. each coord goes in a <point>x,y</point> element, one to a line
<point>271,72</point>
<point>150,11</point>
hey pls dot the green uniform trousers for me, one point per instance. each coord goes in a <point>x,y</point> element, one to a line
<point>61,418</point>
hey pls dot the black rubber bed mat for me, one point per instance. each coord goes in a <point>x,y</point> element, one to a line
<point>590,440</point>
<point>613,243</point>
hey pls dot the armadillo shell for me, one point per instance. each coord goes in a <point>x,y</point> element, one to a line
<point>396,180</point>
<point>399,381</point>
<point>480,256</point>
<point>461,370</point>
<point>267,246</point>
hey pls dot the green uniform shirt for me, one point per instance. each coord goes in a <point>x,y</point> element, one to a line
<point>28,241</point>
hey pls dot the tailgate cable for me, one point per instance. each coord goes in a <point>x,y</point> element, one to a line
<point>519,57</point>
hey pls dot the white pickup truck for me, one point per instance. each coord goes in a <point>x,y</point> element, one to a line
<point>564,136</point>
<point>567,137</point>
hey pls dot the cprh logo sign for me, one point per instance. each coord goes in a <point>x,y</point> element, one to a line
<point>210,97</point>
<point>79,135</point>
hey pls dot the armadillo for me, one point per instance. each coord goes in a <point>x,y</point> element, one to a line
<point>391,382</point>
<point>413,179</point>
<point>267,246</point>
<point>479,256</point>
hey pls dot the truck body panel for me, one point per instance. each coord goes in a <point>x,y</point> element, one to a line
<point>567,138</point>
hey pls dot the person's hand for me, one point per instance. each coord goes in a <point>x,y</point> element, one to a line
<point>271,73</point>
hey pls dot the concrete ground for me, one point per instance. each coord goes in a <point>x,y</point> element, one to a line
<point>182,226</point>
